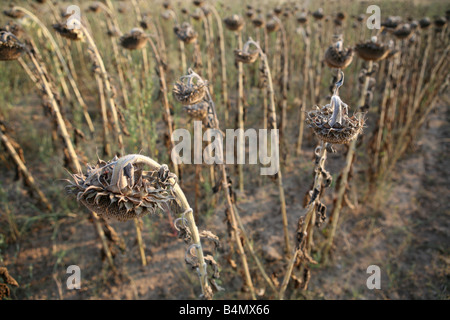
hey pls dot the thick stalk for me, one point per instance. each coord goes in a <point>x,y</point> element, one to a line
<point>240,106</point>
<point>69,146</point>
<point>306,68</point>
<point>273,125</point>
<point>223,63</point>
<point>163,84</point>
<point>107,86</point>
<point>309,220</point>
<point>345,172</point>
<point>62,63</point>
<point>23,169</point>
<point>188,215</point>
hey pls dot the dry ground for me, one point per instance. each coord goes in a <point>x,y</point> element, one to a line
<point>405,231</point>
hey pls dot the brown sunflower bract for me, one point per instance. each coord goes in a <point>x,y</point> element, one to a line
<point>122,193</point>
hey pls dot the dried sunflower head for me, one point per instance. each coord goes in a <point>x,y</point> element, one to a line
<point>341,16</point>
<point>246,55</point>
<point>234,22</point>
<point>14,28</point>
<point>318,14</point>
<point>392,22</point>
<point>185,32</point>
<point>332,124</point>
<point>14,13</point>
<point>278,10</point>
<point>302,18</point>
<point>197,111</point>
<point>196,15</point>
<point>189,93</point>
<point>198,3</point>
<point>424,23</point>
<point>258,22</point>
<point>338,57</point>
<point>272,26</point>
<point>71,34</point>
<point>10,47</point>
<point>94,7</point>
<point>440,22</point>
<point>145,23</point>
<point>372,51</point>
<point>122,189</point>
<point>135,39</point>
<point>404,32</point>
<point>250,14</point>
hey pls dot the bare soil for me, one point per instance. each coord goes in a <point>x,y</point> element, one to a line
<point>404,230</point>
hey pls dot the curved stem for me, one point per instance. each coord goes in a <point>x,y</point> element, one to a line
<point>66,69</point>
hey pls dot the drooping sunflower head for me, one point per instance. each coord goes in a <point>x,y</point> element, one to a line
<point>372,51</point>
<point>338,57</point>
<point>122,189</point>
<point>134,40</point>
<point>68,33</point>
<point>188,91</point>
<point>10,47</point>
<point>246,55</point>
<point>185,32</point>
<point>234,22</point>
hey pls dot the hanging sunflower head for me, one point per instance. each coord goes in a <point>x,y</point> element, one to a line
<point>258,21</point>
<point>272,25</point>
<point>332,123</point>
<point>234,22</point>
<point>246,55</point>
<point>425,23</point>
<point>122,189</point>
<point>14,28</point>
<point>337,56</point>
<point>302,18</point>
<point>189,90</point>
<point>68,33</point>
<point>372,51</point>
<point>10,47</point>
<point>185,32</point>
<point>198,111</point>
<point>134,40</point>
<point>318,14</point>
<point>14,13</point>
<point>403,32</point>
